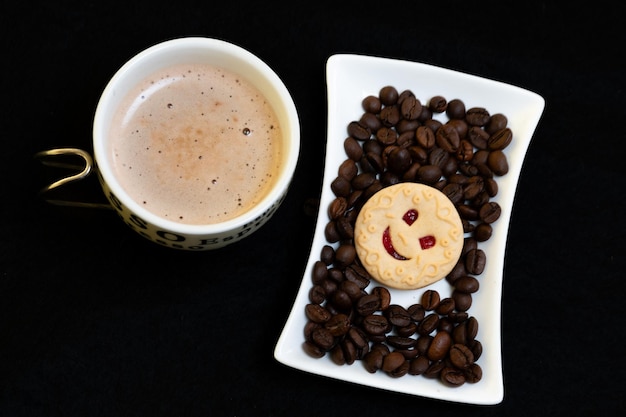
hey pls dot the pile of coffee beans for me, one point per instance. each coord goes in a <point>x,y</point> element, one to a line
<point>398,140</point>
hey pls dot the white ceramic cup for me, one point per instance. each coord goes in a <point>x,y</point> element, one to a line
<point>196,51</point>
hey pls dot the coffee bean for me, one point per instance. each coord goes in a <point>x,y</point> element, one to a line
<point>375,324</point>
<point>392,361</point>
<point>439,346</point>
<point>383,295</point>
<point>430,300</point>
<point>371,104</point>
<point>475,261</point>
<point>461,356</point>
<point>447,138</point>
<point>477,116</point>
<point>452,376</point>
<point>390,115</point>
<point>500,140</point>
<point>373,361</point>
<point>370,121</point>
<point>498,163</point>
<point>455,109</point>
<point>338,325</point>
<point>467,284</point>
<point>496,122</point>
<point>474,373</point>
<point>358,131</point>
<point>398,315</point>
<point>419,365</point>
<point>367,305</point>
<point>353,150</point>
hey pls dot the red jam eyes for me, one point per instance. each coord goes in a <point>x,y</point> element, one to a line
<point>427,242</point>
<point>410,216</point>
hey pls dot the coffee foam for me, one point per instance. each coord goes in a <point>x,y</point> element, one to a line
<point>196,144</point>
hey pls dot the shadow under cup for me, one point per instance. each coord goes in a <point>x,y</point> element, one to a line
<point>204,51</point>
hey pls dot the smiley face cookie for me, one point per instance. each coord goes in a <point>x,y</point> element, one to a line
<point>408,235</point>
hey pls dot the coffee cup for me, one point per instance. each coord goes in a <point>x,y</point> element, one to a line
<point>195,143</point>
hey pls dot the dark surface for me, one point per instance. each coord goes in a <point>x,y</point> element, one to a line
<point>95,320</point>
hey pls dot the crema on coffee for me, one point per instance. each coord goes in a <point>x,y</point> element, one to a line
<point>196,144</point>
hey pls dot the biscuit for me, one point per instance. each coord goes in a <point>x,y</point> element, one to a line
<point>408,236</point>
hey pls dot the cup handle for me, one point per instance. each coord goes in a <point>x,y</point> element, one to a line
<point>54,158</point>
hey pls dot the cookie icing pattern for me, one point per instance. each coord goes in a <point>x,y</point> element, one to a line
<point>408,235</point>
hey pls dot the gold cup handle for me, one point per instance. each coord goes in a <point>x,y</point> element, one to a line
<point>58,158</point>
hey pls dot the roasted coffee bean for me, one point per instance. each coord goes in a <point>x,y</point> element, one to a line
<point>340,186</point>
<point>323,338</point>
<point>376,162</point>
<point>327,254</point>
<point>408,330</point>
<point>338,325</point>
<point>392,361</point>
<point>348,170</point>
<point>445,324</point>
<point>460,126</point>
<point>419,365</point>
<point>462,300</point>
<point>367,305</point>
<point>410,108</point>
<point>428,324</point>
<point>430,300</point>
<point>477,116</point>
<point>406,139</point>
<point>344,227</point>
<point>398,315</point>
<point>500,140</point>
<point>345,255</point>
<point>498,163</point>
<point>455,109</point>
<point>454,192</point>
<point>472,328</point>
<point>358,131</point>
<point>350,353</point>
<point>399,160</point>
<point>446,305</point>
<point>350,288</point>
<point>317,295</point>
<point>439,346</point>
<point>335,274</point>
<point>370,121</point>
<point>373,361</point>
<point>390,115</point>
<point>353,150</point>
<point>438,104</point>
<point>474,186</point>
<point>425,137</point>
<point>358,338</point>
<point>475,261</point>
<point>337,356</point>
<point>407,126</point>
<point>447,138</point>
<point>400,371</point>
<point>496,122</point>
<point>467,284</point>
<point>337,207</point>
<point>433,124</point>
<point>483,232</point>
<point>387,136</point>
<point>478,137</point>
<point>358,275</point>
<point>461,356</point>
<point>388,95</point>
<point>375,324</point>
<point>404,95</point>
<point>467,212</point>
<point>384,296</point>
<point>418,154</point>
<point>434,369</point>
<point>319,272</point>
<point>411,173</point>
<point>438,157</point>
<point>429,174</point>
<point>400,342</point>
<point>330,232</point>
<point>477,349</point>
<point>491,186</point>
<point>490,212</point>
<point>465,152</point>
<point>313,350</point>
<point>363,180</point>
<point>452,376</point>
<point>340,300</point>
<point>474,373</point>
<point>371,104</point>
<point>416,312</point>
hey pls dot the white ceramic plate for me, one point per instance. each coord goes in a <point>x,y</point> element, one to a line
<point>350,78</point>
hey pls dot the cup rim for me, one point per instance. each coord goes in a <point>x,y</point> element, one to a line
<point>195,43</point>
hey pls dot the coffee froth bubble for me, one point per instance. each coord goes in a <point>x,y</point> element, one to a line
<point>196,144</point>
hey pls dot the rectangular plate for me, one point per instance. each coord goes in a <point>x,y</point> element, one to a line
<point>350,78</point>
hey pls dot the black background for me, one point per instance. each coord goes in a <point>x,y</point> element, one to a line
<point>95,320</point>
